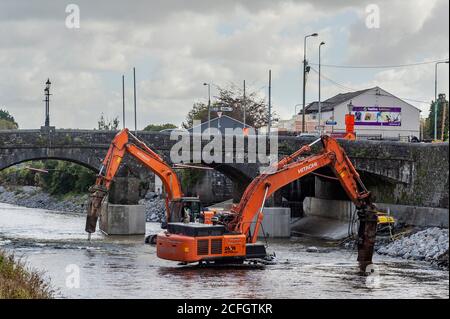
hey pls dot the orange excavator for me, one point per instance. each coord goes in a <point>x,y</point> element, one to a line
<point>230,236</point>
<point>125,142</point>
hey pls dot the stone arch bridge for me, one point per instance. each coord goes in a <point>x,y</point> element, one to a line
<point>398,173</point>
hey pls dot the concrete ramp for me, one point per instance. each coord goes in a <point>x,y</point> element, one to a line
<point>320,227</point>
<point>324,219</point>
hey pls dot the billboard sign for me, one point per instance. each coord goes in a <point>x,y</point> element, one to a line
<point>377,115</point>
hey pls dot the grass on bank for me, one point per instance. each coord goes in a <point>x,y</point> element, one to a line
<point>20,282</point>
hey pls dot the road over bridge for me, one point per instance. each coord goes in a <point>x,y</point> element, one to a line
<point>397,173</point>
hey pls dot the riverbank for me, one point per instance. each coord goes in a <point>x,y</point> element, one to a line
<point>19,282</point>
<point>35,197</point>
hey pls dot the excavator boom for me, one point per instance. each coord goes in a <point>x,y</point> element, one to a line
<point>289,170</point>
<point>126,142</point>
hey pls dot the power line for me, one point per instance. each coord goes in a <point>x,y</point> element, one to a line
<point>337,84</point>
<point>379,66</point>
<point>417,101</point>
<point>333,81</point>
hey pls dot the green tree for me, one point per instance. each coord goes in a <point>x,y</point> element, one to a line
<point>190,178</point>
<point>256,108</point>
<point>21,174</point>
<point>7,121</point>
<point>105,124</point>
<point>64,177</point>
<point>429,122</point>
<point>61,177</point>
<point>159,127</point>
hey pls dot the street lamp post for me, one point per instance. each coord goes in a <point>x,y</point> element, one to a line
<point>135,111</point>
<point>436,104</point>
<point>209,105</point>
<point>304,77</point>
<point>320,103</point>
<point>244,106</point>
<point>295,116</point>
<point>295,108</point>
<point>123,101</point>
<point>47,102</point>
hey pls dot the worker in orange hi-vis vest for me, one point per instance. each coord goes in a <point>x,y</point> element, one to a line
<point>350,127</point>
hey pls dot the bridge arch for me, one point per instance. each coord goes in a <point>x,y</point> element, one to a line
<point>85,158</point>
<point>94,169</point>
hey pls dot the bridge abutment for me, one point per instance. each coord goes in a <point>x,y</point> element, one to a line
<point>121,214</point>
<point>122,219</point>
<point>124,191</point>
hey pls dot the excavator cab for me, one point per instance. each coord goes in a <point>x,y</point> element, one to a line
<point>179,207</point>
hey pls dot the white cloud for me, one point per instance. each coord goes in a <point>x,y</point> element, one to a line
<point>177,46</point>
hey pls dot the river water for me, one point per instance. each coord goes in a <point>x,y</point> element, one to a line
<point>118,267</point>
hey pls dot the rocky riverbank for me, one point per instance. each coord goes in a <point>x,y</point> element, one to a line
<point>430,245</point>
<point>35,197</point>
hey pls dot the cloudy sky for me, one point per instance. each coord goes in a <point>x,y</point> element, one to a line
<point>177,45</point>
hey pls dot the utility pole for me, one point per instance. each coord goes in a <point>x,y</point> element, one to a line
<point>123,101</point>
<point>444,109</point>
<point>304,78</point>
<point>320,103</point>
<point>244,105</point>
<point>270,102</point>
<point>209,105</point>
<point>135,115</point>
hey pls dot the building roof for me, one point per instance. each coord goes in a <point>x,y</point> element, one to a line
<point>221,123</point>
<point>329,104</point>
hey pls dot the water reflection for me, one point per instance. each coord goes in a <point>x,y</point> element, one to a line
<point>123,267</point>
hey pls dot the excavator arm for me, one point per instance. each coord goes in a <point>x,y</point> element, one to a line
<point>125,142</point>
<point>290,169</point>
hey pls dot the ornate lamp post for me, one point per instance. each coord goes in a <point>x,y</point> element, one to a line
<point>47,102</point>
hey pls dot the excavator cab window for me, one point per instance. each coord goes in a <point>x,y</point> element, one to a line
<point>195,210</point>
<point>178,209</point>
<point>176,212</point>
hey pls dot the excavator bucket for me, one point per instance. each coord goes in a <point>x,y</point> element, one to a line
<point>367,231</point>
<point>97,194</point>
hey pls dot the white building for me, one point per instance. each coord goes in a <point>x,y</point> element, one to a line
<point>377,113</point>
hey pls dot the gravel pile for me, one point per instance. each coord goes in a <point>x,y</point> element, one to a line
<point>34,197</point>
<point>155,208</point>
<point>430,245</point>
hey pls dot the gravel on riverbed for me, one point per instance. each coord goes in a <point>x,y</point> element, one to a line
<point>155,207</point>
<point>429,245</point>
